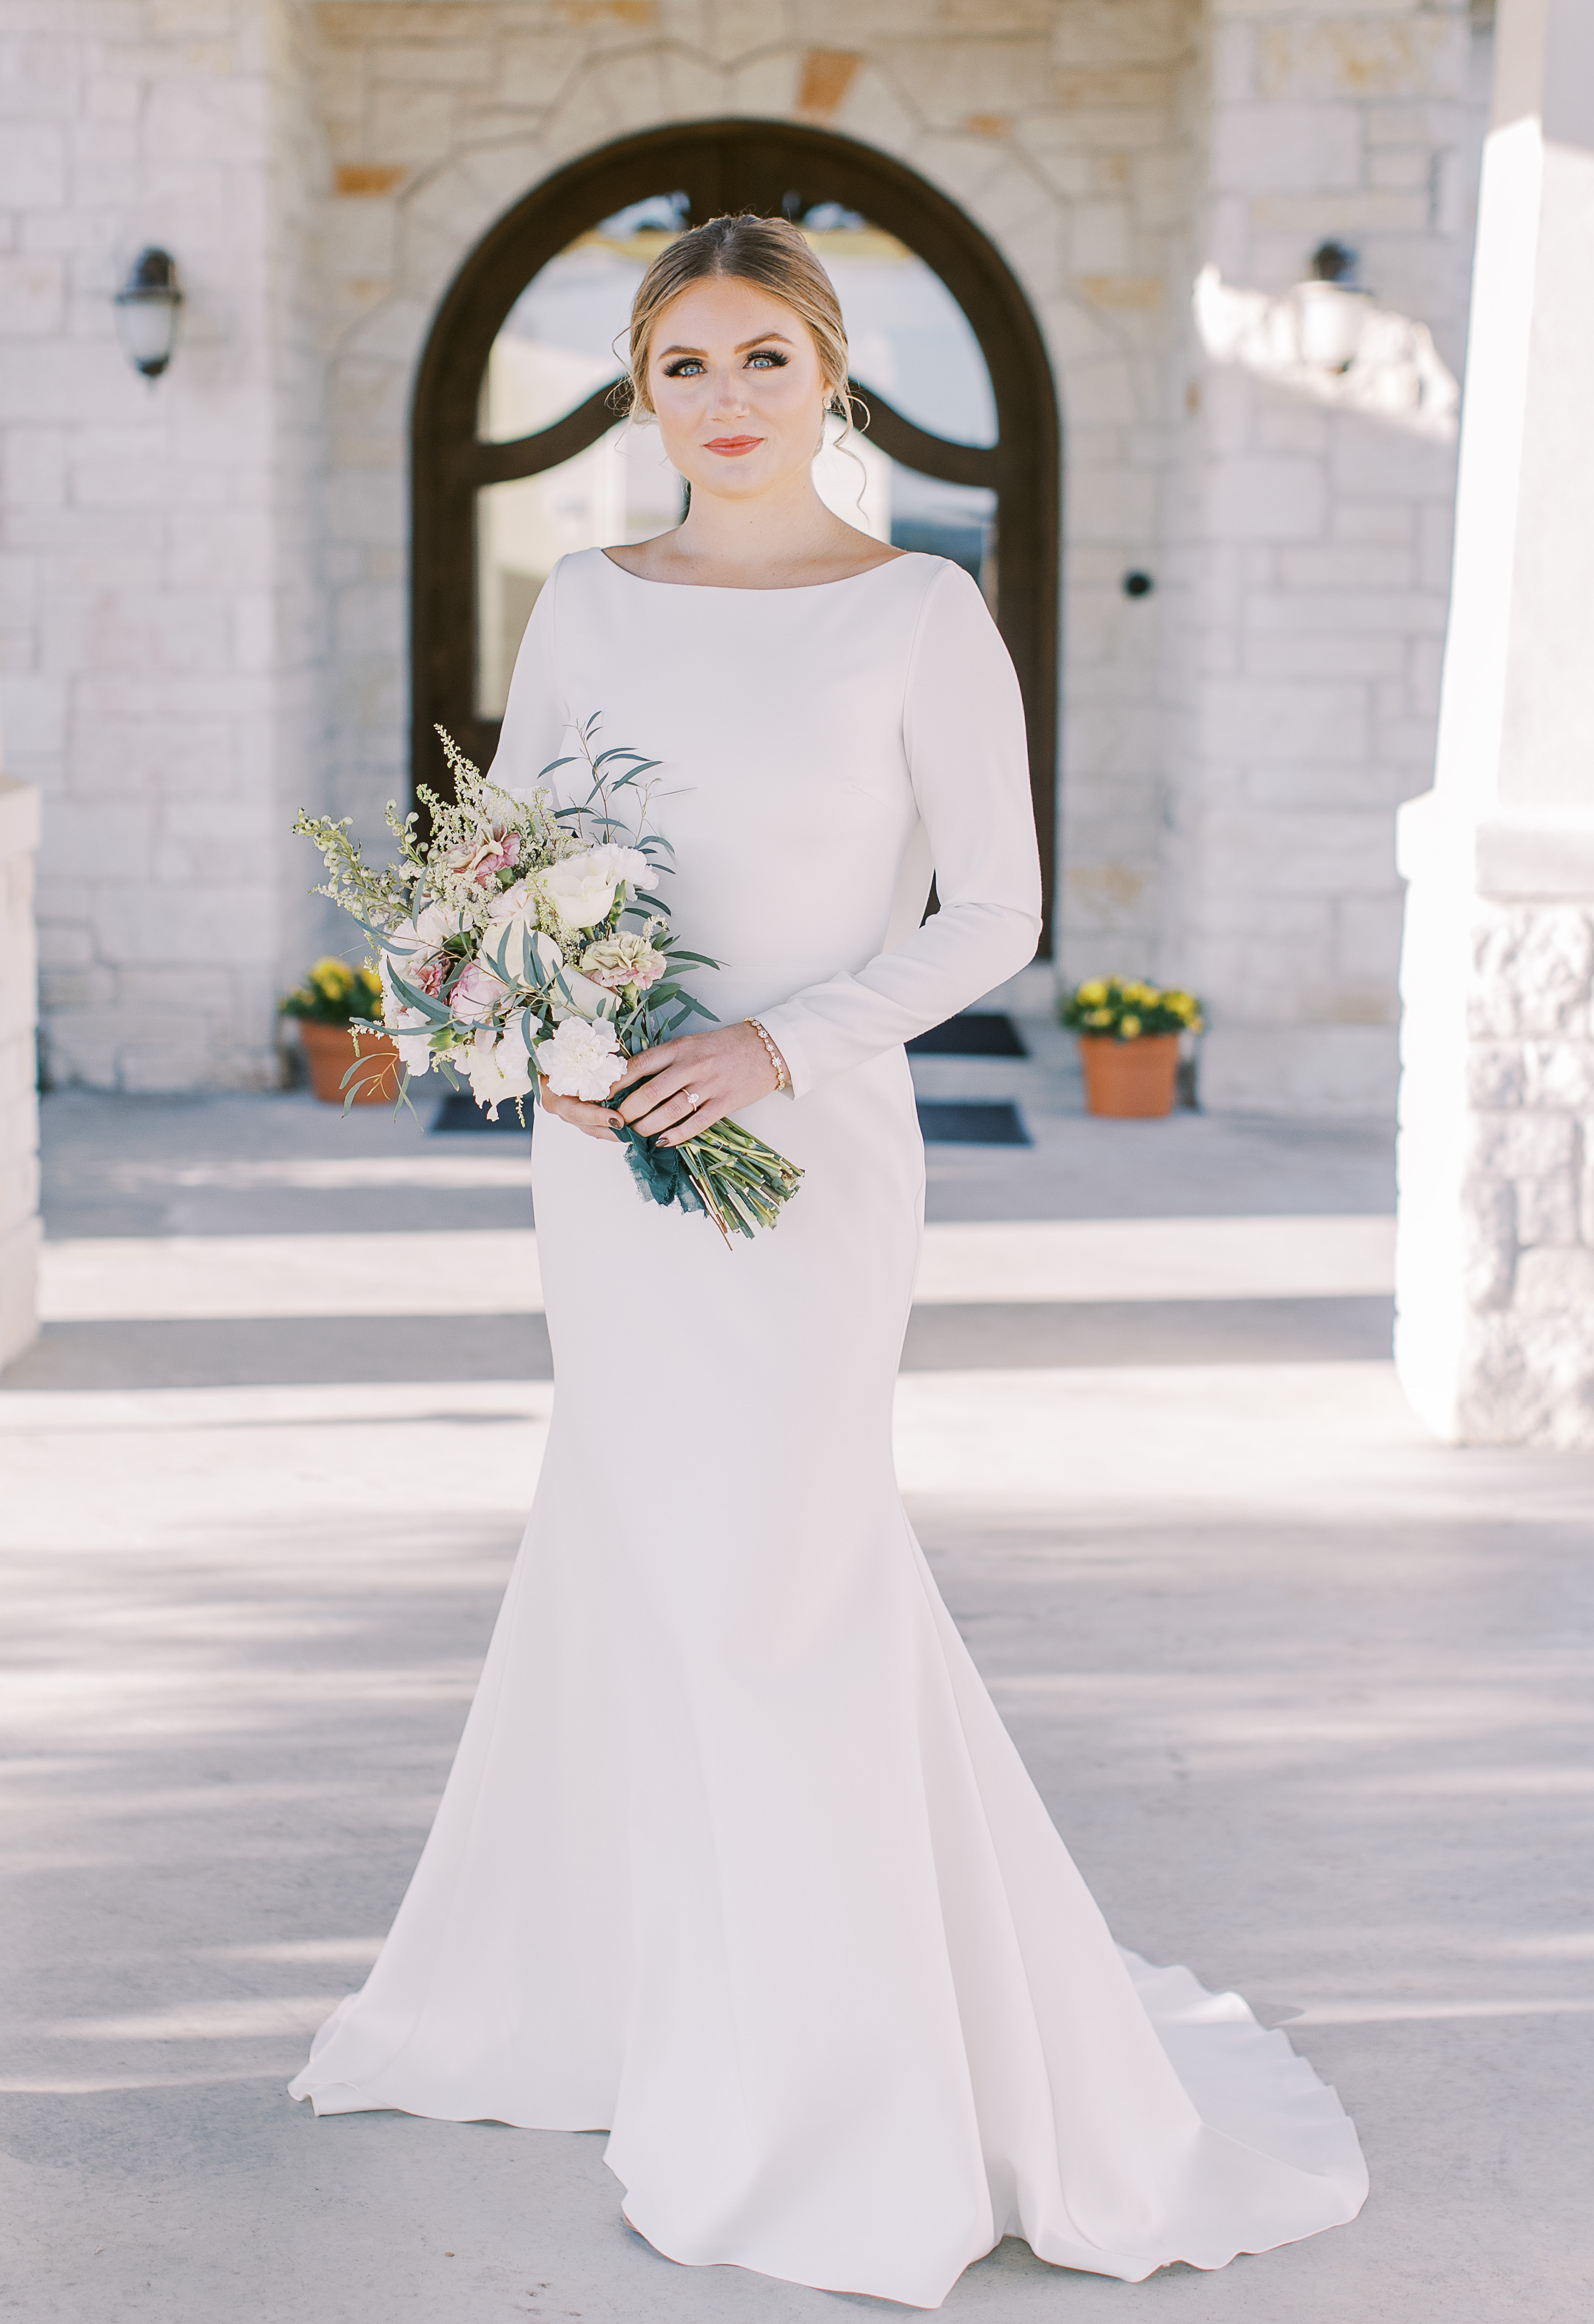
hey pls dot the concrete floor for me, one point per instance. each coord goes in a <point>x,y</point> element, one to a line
<point>1309,1696</point>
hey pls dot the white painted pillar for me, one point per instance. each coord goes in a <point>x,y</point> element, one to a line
<point>1494,1271</point>
<point>19,1098</point>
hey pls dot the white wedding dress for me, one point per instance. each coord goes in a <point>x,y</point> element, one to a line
<point>737,1861</point>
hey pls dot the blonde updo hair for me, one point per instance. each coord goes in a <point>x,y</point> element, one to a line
<point>767,251</point>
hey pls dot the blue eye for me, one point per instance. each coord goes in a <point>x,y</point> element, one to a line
<point>683,367</point>
<point>769,357</point>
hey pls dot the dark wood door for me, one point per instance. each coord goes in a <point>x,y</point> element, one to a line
<point>769,168</point>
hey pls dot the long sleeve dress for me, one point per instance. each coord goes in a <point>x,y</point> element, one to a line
<point>737,1861</point>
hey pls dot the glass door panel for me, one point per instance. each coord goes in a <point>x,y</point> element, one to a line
<point>957,522</point>
<point>906,336</point>
<point>565,334</point>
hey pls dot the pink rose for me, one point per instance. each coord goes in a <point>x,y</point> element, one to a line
<point>477,992</point>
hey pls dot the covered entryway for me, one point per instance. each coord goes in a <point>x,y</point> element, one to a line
<point>518,454</point>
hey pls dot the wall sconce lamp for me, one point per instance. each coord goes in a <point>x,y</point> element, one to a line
<point>146,311</point>
<point>1330,309</point>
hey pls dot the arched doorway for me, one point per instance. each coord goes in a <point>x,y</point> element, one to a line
<point>1003,462</point>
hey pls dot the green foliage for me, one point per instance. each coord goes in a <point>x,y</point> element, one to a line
<point>457,961</point>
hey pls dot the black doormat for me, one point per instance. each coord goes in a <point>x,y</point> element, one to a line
<point>942,1122</point>
<point>461,1112</point>
<point>950,1122</point>
<point>978,1033</point>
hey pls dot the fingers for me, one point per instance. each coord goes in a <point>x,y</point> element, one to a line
<point>653,1061</point>
<point>645,1096</point>
<point>595,1120</point>
<point>675,1111</point>
<point>705,1118</point>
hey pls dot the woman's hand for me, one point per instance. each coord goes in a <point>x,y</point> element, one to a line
<point>723,1070</point>
<point>595,1120</point>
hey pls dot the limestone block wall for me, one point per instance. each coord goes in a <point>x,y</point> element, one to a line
<point>159,640</point>
<point>1310,549</point>
<point>1528,1187</point>
<point>19,1100</point>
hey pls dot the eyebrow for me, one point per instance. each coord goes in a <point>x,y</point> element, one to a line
<point>763,340</point>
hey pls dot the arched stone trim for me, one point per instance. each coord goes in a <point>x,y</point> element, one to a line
<point>1026,197</point>
<point>726,164</point>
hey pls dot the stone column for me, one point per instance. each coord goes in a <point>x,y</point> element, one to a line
<point>1495,1339</point>
<point>19,1072</point>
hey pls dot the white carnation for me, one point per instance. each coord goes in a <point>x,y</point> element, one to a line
<point>500,1068</point>
<point>582,1059</point>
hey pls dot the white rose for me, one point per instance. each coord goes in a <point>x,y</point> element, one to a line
<point>582,1059</point>
<point>500,1069</point>
<point>433,925</point>
<point>581,887</point>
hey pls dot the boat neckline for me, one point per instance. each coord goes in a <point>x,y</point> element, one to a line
<point>786,589</point>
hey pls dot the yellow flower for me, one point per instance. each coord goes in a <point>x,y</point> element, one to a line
<point>1099,1017</point>
<point>1093,995</point>
<point>1130,1029</point>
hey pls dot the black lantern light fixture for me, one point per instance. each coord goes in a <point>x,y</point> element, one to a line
<point>146,311</point>
<point>1330,309</point>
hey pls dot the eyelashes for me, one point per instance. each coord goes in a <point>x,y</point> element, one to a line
<point>691,366</point>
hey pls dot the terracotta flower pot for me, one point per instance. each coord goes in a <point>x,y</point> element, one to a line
<point>1129,1080</point>
<point>331,1049</point>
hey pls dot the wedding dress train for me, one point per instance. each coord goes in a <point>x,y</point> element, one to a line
<point>736,1861</point>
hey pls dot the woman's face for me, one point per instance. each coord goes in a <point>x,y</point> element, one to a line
<point>735,381</point>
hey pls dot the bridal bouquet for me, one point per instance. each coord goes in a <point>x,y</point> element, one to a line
<point>511,943</point>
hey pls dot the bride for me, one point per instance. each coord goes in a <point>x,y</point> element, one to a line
<point>736,1861</point>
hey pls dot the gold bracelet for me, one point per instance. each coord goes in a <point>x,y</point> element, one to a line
<point>782,1078</point>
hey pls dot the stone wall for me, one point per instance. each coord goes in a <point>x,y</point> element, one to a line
<point>19,1098</point>
<point>204,601</point>
<point>1494,1268</point>
<point>1494,1261</point>
<point>161,640</point>
<point>1529,1189</point>
<point>1309,560</point>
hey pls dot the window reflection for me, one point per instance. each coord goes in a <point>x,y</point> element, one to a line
<point>906,336</point>
<point>565,334</point>
<point>621,488</point>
